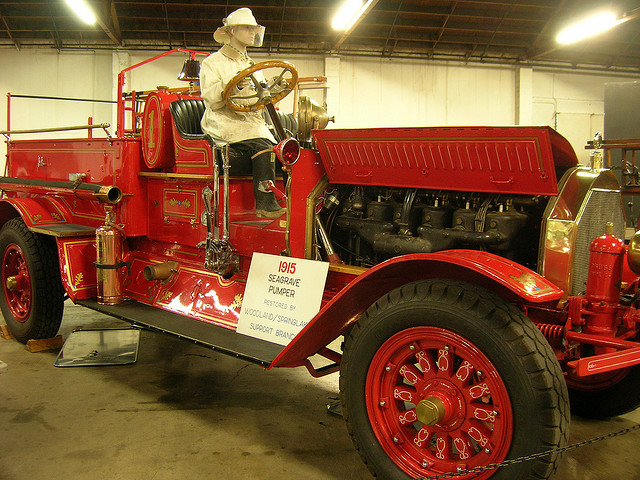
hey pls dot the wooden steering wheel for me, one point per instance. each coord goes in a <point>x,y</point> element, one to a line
<point>265,92</point>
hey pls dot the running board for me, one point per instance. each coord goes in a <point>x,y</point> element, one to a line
<point>220,339</point>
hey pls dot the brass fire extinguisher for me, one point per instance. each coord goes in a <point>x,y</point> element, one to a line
<point>109,261</point>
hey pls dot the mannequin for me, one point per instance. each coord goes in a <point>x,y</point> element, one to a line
<point>249,139</point>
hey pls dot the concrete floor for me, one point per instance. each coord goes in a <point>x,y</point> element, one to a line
<point>186,412</point>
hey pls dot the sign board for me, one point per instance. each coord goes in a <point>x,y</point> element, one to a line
<point>282,295</point>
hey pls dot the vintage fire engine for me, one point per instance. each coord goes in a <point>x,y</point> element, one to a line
<point>477,274</point>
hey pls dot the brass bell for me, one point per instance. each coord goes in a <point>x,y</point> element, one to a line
<point>190,70</point>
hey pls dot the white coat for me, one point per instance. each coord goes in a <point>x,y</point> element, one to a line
<point>223,124</point>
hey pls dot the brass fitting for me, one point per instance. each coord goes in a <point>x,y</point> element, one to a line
<point>109,194</point>
<point>633,254</point>
<point>161,271</point>
<point>12,283</point>
<point>430,410</point>
<point>608,228</point>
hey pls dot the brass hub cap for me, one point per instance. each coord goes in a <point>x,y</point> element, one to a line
<point>430,410</point>
<point>12,283</point>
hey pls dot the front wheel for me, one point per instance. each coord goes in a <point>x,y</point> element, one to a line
<point>32,298</point>
<point>441,375</point>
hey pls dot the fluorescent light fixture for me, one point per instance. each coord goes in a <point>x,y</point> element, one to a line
<point>83,10</point>
<point>588,27</point>
<point>347,14</point>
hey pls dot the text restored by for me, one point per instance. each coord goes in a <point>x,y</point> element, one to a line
<point>282,296</point>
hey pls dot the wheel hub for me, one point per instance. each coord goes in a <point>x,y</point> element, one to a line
<point>17,282</point>
<point>452,399</point>
<point>12,283</point>
<point>436,403</point>
<point>430,410</point>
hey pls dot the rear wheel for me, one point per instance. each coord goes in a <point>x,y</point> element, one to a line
<point>32,298</point>
<point>605,395</point>
<point>441,375</point>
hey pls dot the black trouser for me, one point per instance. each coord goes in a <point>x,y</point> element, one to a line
<point>256,156</point>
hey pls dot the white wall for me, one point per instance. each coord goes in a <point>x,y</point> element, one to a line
<point>363,92</point>
<point>383,92</point>
<point>47,73</point>
<point>573,104</point>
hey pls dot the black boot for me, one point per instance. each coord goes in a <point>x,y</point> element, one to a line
<point>264,171</point>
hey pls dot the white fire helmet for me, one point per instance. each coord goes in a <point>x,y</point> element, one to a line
<point>241,16</point>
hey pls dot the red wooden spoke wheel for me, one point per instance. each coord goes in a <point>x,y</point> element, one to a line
<point>442,375</point>
<point>436,402</point>
<point>17,282</point>
<point>32,301</point>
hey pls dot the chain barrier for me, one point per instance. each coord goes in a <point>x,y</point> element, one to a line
<point>526,458</point>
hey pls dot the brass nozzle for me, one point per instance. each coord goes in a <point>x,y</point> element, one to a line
<point>161,271</point>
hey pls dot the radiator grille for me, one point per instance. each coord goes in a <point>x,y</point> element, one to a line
<point>602,206</point>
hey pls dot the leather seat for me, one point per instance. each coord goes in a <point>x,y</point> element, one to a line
<point>187,114</point>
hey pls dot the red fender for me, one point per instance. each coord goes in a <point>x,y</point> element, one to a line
<point>508,279</point>
<point>44,214</point>
<point>76,243</point>
<point>7,211</point>
<point>78,274</point>
<point>34,211</point>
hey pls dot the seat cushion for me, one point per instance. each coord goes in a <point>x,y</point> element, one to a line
<point>187,114</point>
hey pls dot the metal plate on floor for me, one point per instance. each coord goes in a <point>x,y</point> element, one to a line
<point>88,348</point>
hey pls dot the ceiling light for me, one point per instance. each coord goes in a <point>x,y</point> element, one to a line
<point>83,10</point>
<point>347,14</point>
<point>588,27</point>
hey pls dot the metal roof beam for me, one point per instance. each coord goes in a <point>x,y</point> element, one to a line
<point>395,20</point>
<point>56,37</point>
<point>551,20</point>
<point>284,5</point>
<point>109,23</point>
<point>344,35</point>
<point>6,25</point>
<point>444,25</point>
<point>486,48</point>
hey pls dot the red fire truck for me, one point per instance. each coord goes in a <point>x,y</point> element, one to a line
<point>477,274</point>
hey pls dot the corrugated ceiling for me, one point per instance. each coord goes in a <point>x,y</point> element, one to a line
<point>511,32</point>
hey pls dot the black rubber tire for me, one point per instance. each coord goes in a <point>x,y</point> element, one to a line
<point>47,294</point>
<point>519,352</point>
<point>618,399</point>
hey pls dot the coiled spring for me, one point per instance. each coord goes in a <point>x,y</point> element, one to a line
<point>550,330</point>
